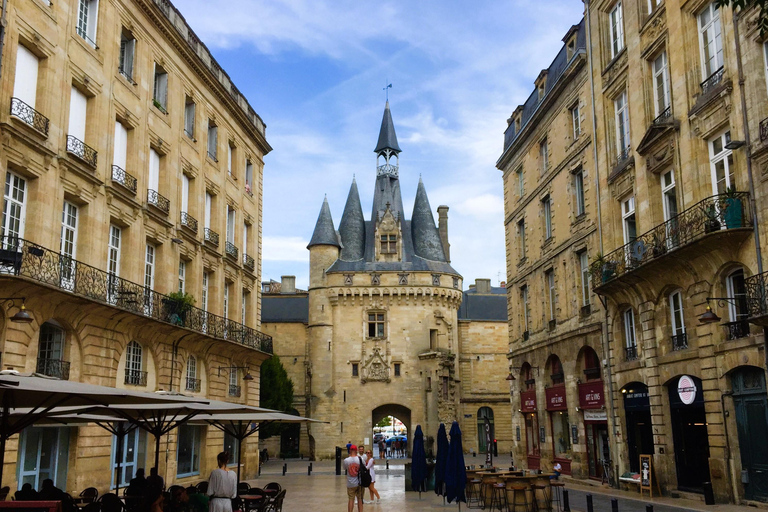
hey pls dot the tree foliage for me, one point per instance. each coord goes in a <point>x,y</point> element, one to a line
<point>276,393</point>
<point>762,5</point>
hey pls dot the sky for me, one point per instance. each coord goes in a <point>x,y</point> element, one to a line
<point>315,71</point>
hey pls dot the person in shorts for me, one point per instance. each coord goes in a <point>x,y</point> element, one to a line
<point>354,489</point>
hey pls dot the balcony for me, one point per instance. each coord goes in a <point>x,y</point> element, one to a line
<point>192,385</point>
<point>630,353</point>
<point>29,115</point>
<point>159,201</point>
<point>124,179</point>
<point>211,236</point>
<point>712,81</point>
<point>189,222</point>
<point>248,261</point>
<point>234,390</point>
<point>22,259</point>
<point>716,216</point>
<point>680,341</point>
<point>736,330</point>
<point>53,368</point>
<point>231,250</point>
<point>81,150</point>
<point>664,117</point>
<point>135,378</point>
<point>757,298</point>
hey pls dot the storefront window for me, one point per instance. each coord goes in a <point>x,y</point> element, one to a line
<point>561,434</point>
<point>637,412</point>
<point>532,434</point>
<point>188,456</point>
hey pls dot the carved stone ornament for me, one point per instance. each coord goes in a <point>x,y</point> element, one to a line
<point>348,279</point>
<point>662,157</point>
<point>375,279</point>
<point>402,278</point>
<point>376,367</point>
<point>388,222</point>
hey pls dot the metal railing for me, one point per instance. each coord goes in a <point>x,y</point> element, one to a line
<point>53,368</point>
<point>212,156</point>
<point>159,106</point>
<point>192,385</point>
<point>764,130</point>
<point>81,150</point>
<point>211,236</point>
<point>387,170</point>
<point>680,341</point>
<point>188,221</point>
<point>29,115</point>
<point>622,156</point>
<point>630,353</point>
<point>234,390</point>
<point>135,378</point>
<point>158,201</point>
<point>736,330</point>
<point>231,250</point>
<point>665,116</point>
<point>248,261</point>
<point>713,214</point>
<point>126,75</point>
<point>21,258</point>
<point>81,31</point>
<point>123,178</point>
<point>712,80</point>
<point>757,294</point>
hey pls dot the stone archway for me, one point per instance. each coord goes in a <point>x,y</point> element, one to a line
<point>400,412</point>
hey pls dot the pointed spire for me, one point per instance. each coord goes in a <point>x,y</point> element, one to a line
<point>325,233</point>
<point>426,237</point>
<point>387,137</point>
<point>352,227</point>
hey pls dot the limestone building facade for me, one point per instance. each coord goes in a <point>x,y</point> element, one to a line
<point>380,331</point>
<point>131,228</point>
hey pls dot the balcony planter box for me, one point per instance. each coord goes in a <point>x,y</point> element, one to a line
<point>177,305</point>
<point>733,213</point>
<point>711,224</point>
<point>609,271</point>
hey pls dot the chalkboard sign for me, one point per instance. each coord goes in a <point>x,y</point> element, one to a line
<point>575,434</point>
<point>646,474</point>
<point>517,433</point>
<point>542,435</point>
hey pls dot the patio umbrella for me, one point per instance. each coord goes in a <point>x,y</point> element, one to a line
<point>419,462</point>
<point>455,471</point>
<point>441,461</point>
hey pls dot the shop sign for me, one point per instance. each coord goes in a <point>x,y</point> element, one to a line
<point>686,390</point>
<point>595,416</point>
<point>591,395</point>
<point>556,398</point>
<point>528,401</point>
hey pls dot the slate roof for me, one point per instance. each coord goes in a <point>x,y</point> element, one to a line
<point>484,306</point>
<point>325,233</point>
<point>352,227</point>
<point>426,238</point>
<point>284,308</point>
<point>387,136</point>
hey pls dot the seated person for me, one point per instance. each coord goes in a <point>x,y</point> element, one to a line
<point>198,501</point>
<point>138,484</point>
<point>50,492</point>
<point>179,500</point>
<point>27,493</point>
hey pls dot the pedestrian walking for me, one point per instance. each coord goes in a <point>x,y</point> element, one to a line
<point>349,444</point>
<point>370,465</point>
<point>354,489</point>
<point>382,449</point>
<point>222,486</point>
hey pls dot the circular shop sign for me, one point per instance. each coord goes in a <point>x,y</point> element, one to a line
<point>686,390</point>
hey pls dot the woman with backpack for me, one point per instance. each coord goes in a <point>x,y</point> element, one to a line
<point>369,464</point>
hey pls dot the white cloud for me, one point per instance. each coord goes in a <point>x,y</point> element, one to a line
<point>285,248</point>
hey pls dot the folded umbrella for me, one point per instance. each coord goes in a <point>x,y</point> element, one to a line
<point>455,471</point>
<point>441,460</point>
<point>419,463</point>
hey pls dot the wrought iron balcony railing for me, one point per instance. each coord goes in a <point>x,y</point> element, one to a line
<point>123,178</point>
<point>736,330</point>
<point>757,295</point>
<point>231,249</point>
<point>764,130</point>
<point>126,74</point>
<point>665,116</point>
<point>713,214</point>
<point>189,221</point>
<point>712,80</point>
<point>212,156</point>
<point>21,258</point>
<point>248,261</point>
<point>135,378</point>
<point>622,156</point>
<point>159,201</point>
<point>53,368</point>
<point>630,353</point>
<point>81,150</point>
<point>680,341</point>
<point>211,236</point>
<point>29,115</point>
<point>234,390</point>
<point>193,385</point>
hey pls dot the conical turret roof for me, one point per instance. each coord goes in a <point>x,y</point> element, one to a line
<point>387,136</point>
<point>325,233</point>
<point>352,227</point>
<point>426,237</point>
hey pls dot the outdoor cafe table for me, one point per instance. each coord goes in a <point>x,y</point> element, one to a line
<point>488,479</point>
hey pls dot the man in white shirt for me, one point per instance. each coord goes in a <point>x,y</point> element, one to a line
<point>354,489</point>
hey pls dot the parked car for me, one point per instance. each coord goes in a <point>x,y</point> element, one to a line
<point>397,438</point>
<point>378,437</point>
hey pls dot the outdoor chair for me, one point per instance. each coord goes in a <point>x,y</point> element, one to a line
<point>243,488</point>
<point>276,505</point>
<point>89,495</point>
<point>4,492</point>
<point>202,487</point>
<point>110,502</point>
<point>274,486</point>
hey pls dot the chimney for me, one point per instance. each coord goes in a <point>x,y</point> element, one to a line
<point>442,227</point>
<point>287,284</point>
<point>503,284</point>
<point>483,285</point>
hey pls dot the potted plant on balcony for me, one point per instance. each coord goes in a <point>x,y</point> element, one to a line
<point>711,223</point>
<point>603,267</point>
<point>732,209</point>
<point>177,305</point>
<point>659,247</point>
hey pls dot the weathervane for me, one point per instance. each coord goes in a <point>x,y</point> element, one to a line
<point>386,89</point>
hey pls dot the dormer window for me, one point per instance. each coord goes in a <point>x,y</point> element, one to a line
<point>541,91</point>
<point>388,244</point>
<point>571,48</point>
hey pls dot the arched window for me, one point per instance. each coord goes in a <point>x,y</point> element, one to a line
<point>193,383</point>
<point>556,371</point>
<point>591,364</point>
<point>234,387</point>
<point>482,414</point>
<point>527,377</point>
<point>679,337</point>
<point>134,364</point>
<point>51,351</point>
<point>630,341</point>
<point>736,289</point>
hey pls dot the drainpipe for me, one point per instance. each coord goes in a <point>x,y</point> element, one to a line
<point>3,22</point>
<point>727,442</point>
<point>603,301</point>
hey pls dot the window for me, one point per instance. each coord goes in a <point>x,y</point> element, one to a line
<point>576,121</point>
<point>561,435</point>
<point>397,369</point>
<point>230,152</point>
<point>160,97</point>
<point>388,244</point>
<point>25,81</point>
<point>521,237</point>
<point>188,451</point>
<point>120,153</point>
<point>87,18</point>
<point>78,104</point>
<point>149,267</point>
<point>249,177</point>
<point>578,185</point>
<point>51,352</point>
<point>226,301</point>
<point>213,140</point>
<point>550,279</point>
<point>68,247</point>
<point>113,263</point>
<point>185,194</point>
<point>153,179</point>
<point>584,271</point>
<point>189,117</point>
<point>432,339</point>
<point>543,155</point>
<point>204,294</point>
<point>622,124</point>
<point>737,290</point>
<point>375,325</point>
<point>14,208</point>
<point>193,384</point>
<point>207,217</point>
<point>630,343</point>
<point>765,56</point>
<point>546,207</point>
<point>676,310</point>
<point>668,195</point>
<point>134,364</point>
<point>244,307</point>
<point>127,52</point>
<point>661,98</point>
<point>526,310</point>
<point>355,369</point>
<point>710,40</point>
<point>653,5</point>
<point>721,164</point>
<point>231,446</point>
<point>230,225</point>
<point>520,182</point>
<point>182,276</point>
<point>616,23</point>
<point>246,228</point>
<point>628,219</point>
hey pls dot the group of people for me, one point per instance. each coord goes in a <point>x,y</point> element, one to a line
<point>396,448</point>
<point>354,464</point>
<point>47,492</point>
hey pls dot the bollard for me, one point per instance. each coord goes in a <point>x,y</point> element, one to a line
<point>566,502</point>
<point>387,463</point>
<point>338,461</point>
<point>649,508</point>
<point>310,467</point>
<point>614,505</point>
<point>309,470</point>
<point>259,469</point>
<point>590,508</point>
<point>285,468</point>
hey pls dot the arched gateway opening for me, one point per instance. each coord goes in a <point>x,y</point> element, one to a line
<point>400,412</point>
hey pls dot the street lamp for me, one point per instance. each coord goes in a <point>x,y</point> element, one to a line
<point>21,316</point>
<point>709,316</point>
<point>246,377</point>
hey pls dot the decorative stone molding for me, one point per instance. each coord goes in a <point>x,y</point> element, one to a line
<point>376,367</point>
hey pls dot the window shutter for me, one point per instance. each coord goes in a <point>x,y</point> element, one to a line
<point>93,16</point>
<point>128,52</point>
<point>154,170</point>
<point>25,82</point>
<point>189,118</point>
<point>121,145</point>
<point>184,193</point>
<point>208,201</point>
<point>162,96</point>
<point>77,109</point>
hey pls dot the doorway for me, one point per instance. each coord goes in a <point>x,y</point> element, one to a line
<point>597,448</point>
<point>289,438</point>
<point>392,427</point>
<point>637,413</point>
<point>482,414</point>
<point>689,432</point>
<point>44,454</point>
<point>751,404</point>
<point>134,456</point>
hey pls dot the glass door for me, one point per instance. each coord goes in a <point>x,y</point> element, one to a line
<point>68,245</point>
<point>44,452</point>
<point>133,456</point>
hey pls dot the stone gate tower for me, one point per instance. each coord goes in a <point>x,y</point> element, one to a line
<point>383,303</point>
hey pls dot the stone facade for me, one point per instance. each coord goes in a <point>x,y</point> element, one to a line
<point>117,114</point>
